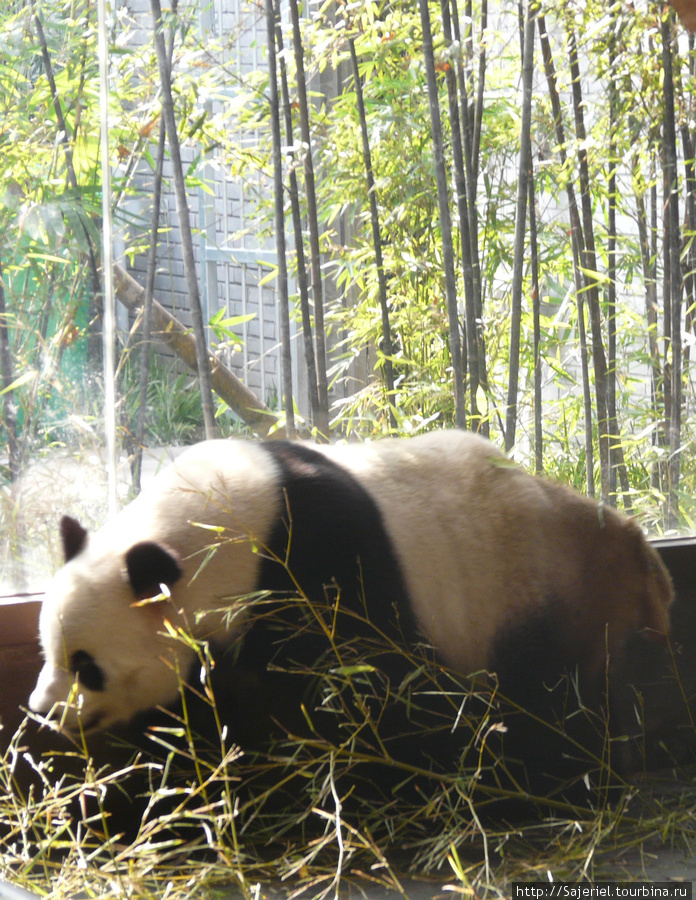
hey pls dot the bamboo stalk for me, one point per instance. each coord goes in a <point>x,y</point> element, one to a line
<point>460,179</point>
<point>279,218</point>
<point>589,266</point>
<point>313,222</point>
<point>469,112</point>
<point>146,325</point>
<point>387,348</point>
<point>185,232</point>
<point>525,166</point>
<point>293,193</point>
<point>9,415</point>
<point>673,295</point>
<point>445,220</point>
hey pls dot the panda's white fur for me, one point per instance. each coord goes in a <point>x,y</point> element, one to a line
<point>481,546</point>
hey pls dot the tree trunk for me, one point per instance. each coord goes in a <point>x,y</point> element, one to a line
<point>586,397</point>
<point>617,464</point>
<point>475,103</point>
<point>611,262</point>
<point>471,115</point>
<point>651,316</point>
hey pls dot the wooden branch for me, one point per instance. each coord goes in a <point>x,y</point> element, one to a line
<point>224,382</point>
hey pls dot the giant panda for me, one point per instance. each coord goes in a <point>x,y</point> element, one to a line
<point>437,543</point>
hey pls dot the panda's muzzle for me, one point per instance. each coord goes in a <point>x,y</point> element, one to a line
<point>61,716</point>
<point>93,722</point>
<point>56,695</point>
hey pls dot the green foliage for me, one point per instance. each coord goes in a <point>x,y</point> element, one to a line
<point>615,45</point>
<point>174,415</point>
<point>44,263</point>
<point>49,224</point>
<point>47,219</point>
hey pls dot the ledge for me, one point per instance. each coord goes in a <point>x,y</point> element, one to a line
<point>20,658</point>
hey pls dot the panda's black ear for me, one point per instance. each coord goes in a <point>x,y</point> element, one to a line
<point>73,537</point>
<point>149,565</point>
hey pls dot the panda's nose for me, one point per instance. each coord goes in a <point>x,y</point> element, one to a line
<point>38,702</point>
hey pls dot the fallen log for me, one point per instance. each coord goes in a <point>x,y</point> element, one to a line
<point>168,329</point>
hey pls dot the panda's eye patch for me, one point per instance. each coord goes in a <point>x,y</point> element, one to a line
<point>88,672</point>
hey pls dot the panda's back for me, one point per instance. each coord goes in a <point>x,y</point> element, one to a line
<point>462,518</point>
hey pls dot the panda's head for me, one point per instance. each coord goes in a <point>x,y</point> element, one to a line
<point>106,653</point>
